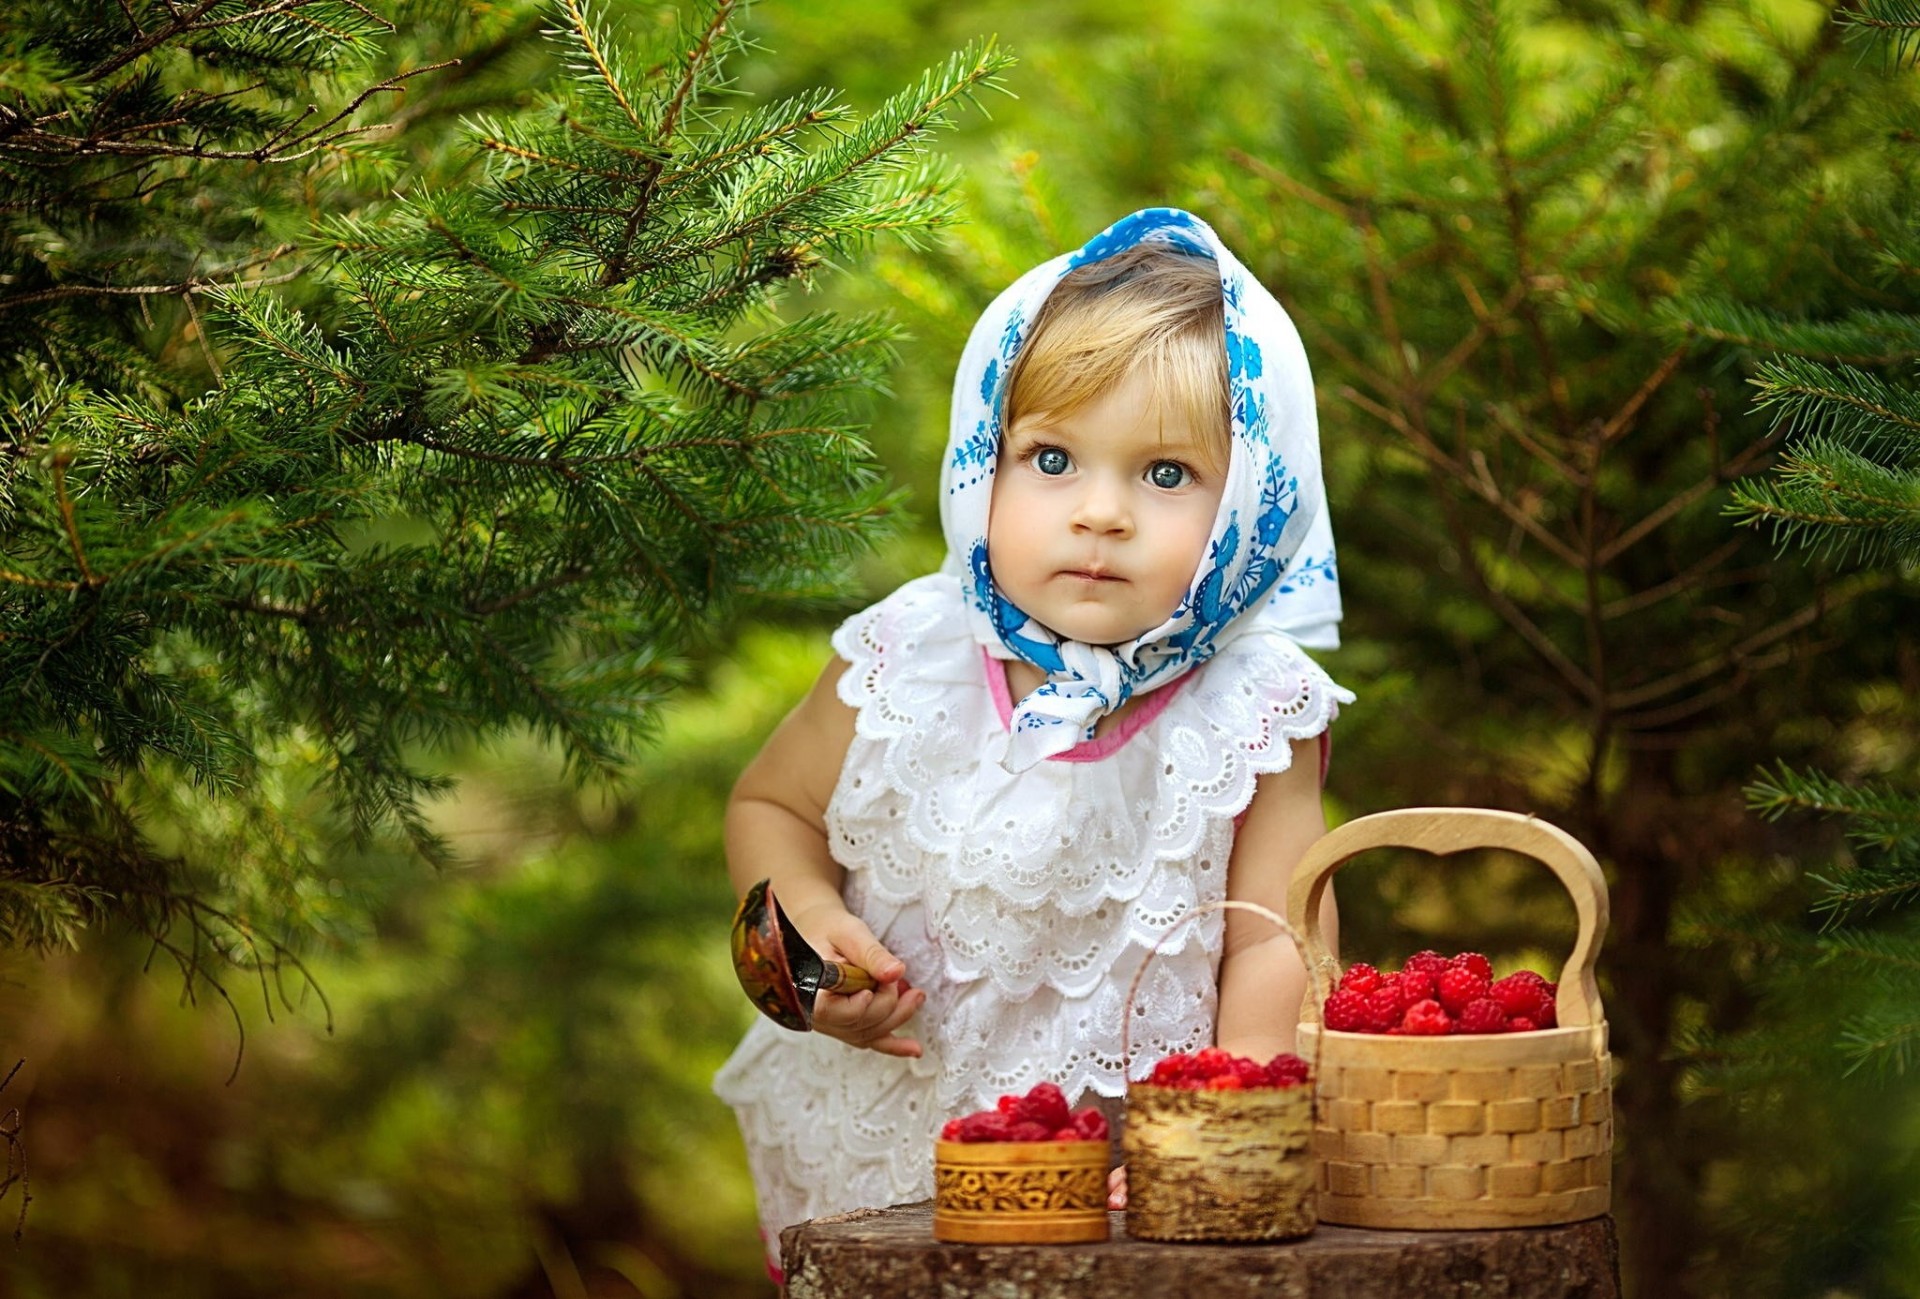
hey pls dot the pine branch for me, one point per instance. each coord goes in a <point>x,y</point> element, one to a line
<point>1858,338</point>
<point>1492,78</point>
<point>1890,883</point>
<point>1894,23</point>
<point>1872,418</point>
<point>235,275</point>
<point>335,18</point>
<point>695,60</point>
<point>1890,958</point>
<point>1833,500</point>
<point>1890,814</point>
<point>590,43</point>
<point>285,147</point>
<point>1885,1040</point>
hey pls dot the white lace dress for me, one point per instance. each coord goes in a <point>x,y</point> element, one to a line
<point>1023,904</point>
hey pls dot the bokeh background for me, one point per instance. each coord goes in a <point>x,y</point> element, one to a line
<point>1520,240</point>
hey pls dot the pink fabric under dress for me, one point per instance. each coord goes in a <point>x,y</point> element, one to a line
<point>1022,903</point>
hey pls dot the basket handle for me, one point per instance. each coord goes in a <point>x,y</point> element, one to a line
<point>1446,830</point>
<point>1224,904</point>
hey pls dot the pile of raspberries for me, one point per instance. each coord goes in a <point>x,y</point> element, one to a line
<point>1040,1115</point>
<point>1214,1070</point>
<point>1437,995</point>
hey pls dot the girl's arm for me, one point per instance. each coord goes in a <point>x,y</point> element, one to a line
<point>777,829</point>
<point>1262,978</point>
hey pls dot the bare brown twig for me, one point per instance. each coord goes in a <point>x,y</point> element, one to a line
<point>16,1166</point>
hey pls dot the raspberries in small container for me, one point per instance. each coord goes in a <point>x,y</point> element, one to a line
<point>1436,996</point>
<point>1220,1147</point>
<point>1215,1070</point>
<point>1040,1115</point>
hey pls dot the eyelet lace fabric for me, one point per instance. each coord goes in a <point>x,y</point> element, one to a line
<point>1023,904</point>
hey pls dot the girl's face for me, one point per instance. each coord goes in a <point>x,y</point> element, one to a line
<point>1099,518</point>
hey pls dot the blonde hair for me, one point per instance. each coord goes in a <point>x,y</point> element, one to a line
<point>1149,309</point>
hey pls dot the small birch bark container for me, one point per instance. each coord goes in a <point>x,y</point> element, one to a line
<point>1475,1130</point>
<point>1218,1165</point>
<point>1020,1192</point>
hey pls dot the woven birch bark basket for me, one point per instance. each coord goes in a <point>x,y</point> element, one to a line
<point>1471,1130</point>
<point>1218,1165</point>
<point>1020,1192</point>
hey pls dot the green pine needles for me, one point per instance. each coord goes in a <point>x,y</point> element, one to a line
<point>1843,399</point>
<point>1850,481</point>
<point>540,432</point>
<point>1894,23</point>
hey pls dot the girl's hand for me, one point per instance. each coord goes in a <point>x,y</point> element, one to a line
<point>869,1017</point>
<point>1117,1188</point>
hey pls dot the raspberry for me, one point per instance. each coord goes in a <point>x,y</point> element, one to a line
<point>1091,1124</point>
<point>1028,1130</point>
<point>950,1130</point>
<point>1523,994</point>
<point>1427,962</point>
<point>1415,985</point>
<point>1226,1082</point>
<point>1286,1070</point>
<point>1006,1105</point>
<point>1384,1008</point>
<point>1549,1015</point>
<point>1427,1019</point>
<point>1521,1024</point>
<point>1045,1105</point>
<point>1361,978</point>
<point>1460,986</point>
<point>1474,962</point>
<point>1346,1012</point>
<point>1170,1072</point>
<point>1068,1133</point>
<point>988,1125</point>
<point>1211,1062</point>
<point>1251,1073</point>
<point>1483,1015</point>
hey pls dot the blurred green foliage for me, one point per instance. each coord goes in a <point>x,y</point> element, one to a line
<point>515,1100</point>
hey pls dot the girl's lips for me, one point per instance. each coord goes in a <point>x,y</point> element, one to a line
<point>1092,575</point>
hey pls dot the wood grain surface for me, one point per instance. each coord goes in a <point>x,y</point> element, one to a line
<point>892,1252</point>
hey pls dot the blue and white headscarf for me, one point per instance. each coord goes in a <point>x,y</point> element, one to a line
<point>1270,562</point>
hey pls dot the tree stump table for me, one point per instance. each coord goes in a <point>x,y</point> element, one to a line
<point>875,1252</point>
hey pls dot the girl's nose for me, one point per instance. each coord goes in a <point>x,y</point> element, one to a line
<point>1102,508</point>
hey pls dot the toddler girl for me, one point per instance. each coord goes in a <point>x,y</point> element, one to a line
<point>1021,770</point>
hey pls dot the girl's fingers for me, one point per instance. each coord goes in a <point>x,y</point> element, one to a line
<point>851,940</point>
<point>880,963</point>
<point>857,1013</point>
<point>869,1018</point>
<point>1117,1188</point>
<point>904,1047</point>
<point>909,1005</point>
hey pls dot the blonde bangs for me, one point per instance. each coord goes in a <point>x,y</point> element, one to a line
<point>1147,310</point>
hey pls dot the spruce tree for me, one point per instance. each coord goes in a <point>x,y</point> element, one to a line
<point>496,454</point>
<point>1836,1039</point>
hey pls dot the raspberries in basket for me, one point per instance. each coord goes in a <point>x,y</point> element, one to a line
<point>1434,995</point>
<point>1216,1070</point>
<point>1040,1115</point>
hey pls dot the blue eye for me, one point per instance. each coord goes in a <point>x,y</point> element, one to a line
<point>1168,474</point>
<point>1051,461</point>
